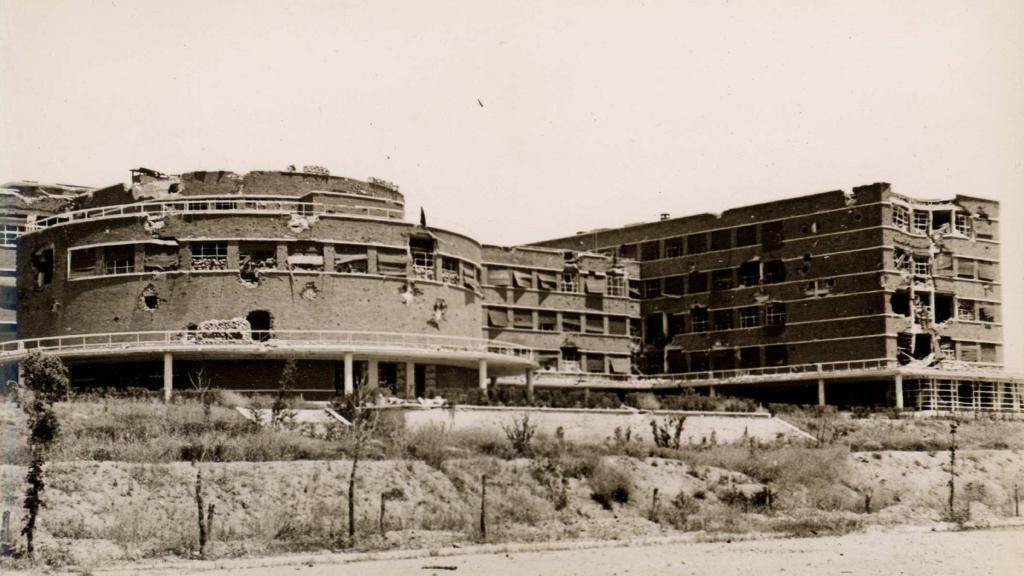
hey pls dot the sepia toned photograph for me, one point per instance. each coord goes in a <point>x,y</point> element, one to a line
<point>577,287</point>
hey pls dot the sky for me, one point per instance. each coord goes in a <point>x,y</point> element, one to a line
<point>519,121</point>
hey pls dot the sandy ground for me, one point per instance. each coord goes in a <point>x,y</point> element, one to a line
<point>910,553</point>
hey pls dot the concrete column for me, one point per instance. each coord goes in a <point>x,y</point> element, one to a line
<point>482,372</point>
<point>712,393</point>
<point>898,383</point>
<point>372,374</point>
<point>821,391</point>
<point>529,385</point>
<point>350,386</point>
<point>168,376</point>
<point>410,380</point>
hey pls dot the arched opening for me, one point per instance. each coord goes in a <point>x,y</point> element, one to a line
<point>261,322</point>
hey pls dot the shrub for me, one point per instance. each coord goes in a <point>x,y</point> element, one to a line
<point>682,507</point>
<point>520,433</point>
<point>668,432</point>
<point>610,483</point>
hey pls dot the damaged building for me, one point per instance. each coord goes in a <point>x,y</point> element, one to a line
<point>867,297</point>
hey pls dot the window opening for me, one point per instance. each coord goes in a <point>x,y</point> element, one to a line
<point>119,259</point>
<point>209,255</point>
<point>42,262</point>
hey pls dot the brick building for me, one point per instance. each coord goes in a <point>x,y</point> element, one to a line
<point>866,297</point>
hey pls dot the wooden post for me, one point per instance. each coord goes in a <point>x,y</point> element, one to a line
<point>382,500</point>
<point>483,507</point>
<point>654,505</point>
<point>529,386</point>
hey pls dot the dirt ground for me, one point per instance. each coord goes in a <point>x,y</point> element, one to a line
<point>905,552</point>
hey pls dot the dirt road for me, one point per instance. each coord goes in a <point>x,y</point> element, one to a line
<point>978,553</point>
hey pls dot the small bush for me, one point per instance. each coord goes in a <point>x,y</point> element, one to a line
<point>520,433</point>
<point>610,483</point>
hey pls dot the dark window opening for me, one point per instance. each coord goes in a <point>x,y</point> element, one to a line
<point>722,319</point>
<point>943,307</point>
<point>650,251</point>
<point>260,322</point>
<point>652,288</point>
<point>83,262</point>
<point>775,314</point>
<point>899,302</point>
<point>42,262</point>
<point>721,239</point>
<point>750,357</point>
<point>119,259</point>
<point>700,362</point>
<point>253,257</point>
<point>922,346</point>
<point>697,243</point>
<point>350,259</point>
<point>675,285</point>
<point>698,282</point>
<point>699,319</point>
<point>570,354</point>
<point>627,251</point>
<point>746,235</point>
<point>160,258</point>
<point>750,273</point>
<point>774,272</point>
<point>942,220</point>
<point>655,330</point>
<point>674,247</point>
<point>676,360</point>
<point>675,325</point>
<point>723,359</point>
<point>776,355</point>
<point>721,279</point>
<point>547,321</point>
<point>771,235</point>
<point>904,347</point>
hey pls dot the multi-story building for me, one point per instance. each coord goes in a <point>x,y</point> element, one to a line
<point>876,296</point>
<point>865,297</point>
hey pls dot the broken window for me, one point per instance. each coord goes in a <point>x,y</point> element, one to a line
<point>470,276</point>
<point>922,266</point>
<point>616,285</point>
<point>547,360</point>
<point>675,324</point>
<point>699,319</point>
<point>750,357</point>
<point>697,243</point>
<point>261,323</point>
<point>943,307</point>
<point>83,262</point>
<point>348,259</point>
<point>698,282</point>
<point>721,279</point>
<point>965,310</point>
<point>652,288</point>
<point>676,360</point>
<point>119,259</point>
<point>634,289</point>
<point>986,313</point>
<point>772,235</point>
<point>650,251</point>
<point>904,347</point>
<point>306,256</point>
<point>723,359</point>
<point>941,220</point>
<point>392,262</point>
<point>674,247</point>
<point>210,256</point>
<point>969,352</point>
<point>570,282</point>
<point>450,271</point>
<point>42,263</point>
<point>750,273</point>
<point>547,321</point>
<point>962,223</point>
<point>922,346</point>
<point>617,325</point>
<point>922,307</point>
<point>628,251</point>
<point>722,319</point>
<point>160,257</point>
<point>899,302</point>
<point>570,358</point>
<point>946,348</point>
<point>595,324</point>
<point>750,317</point>
<point>700,362</point>
<point>655,329</point>
<point>522,319</point>
<point>746,235</point>
<point>547,281</point>
<point>901,260</point>
<point>721,239</point>
<point>776,355</point>
<point>900,217</point>
<point>675,285</point>
<point>774,271</point>
<point>921,221</point>
<point>775,314</point>
<point>422,249</point>
<point>571,322</point>
<point>522,279</point>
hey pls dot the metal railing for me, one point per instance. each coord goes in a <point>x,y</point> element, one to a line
<point>824,368</point>
<point>232,205</point>
<point>343,340</point>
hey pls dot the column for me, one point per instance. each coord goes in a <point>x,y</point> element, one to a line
<point>898,382</point>
<point>529,385</point>
<point>821,391</point>
<point>712,393</point>
<point>482,373</point>
<point>410,380</point>
<point>349,383</point>
<point>372,374</point>
<point>168,376</point>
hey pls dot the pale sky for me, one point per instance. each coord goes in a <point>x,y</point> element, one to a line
<point>594,113</point>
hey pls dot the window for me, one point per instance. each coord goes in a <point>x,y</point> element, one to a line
<point>965,268</point>
<point>450,271</point>
<point>650,251</point>
<point>595,324</point>
<point>941,220</point>
<point>119,259</point>
<point>772,235</point>
<point>900,217</point>
<point>965,310</point>
<point>986,313</point>
<point>774,271</point>
<point>775,314</point>
<point>83,262</point>
<point>263,256</point>
<point>674,247</point>
<point>699,319</point>
<point>547,321</point>
<point>750,273</point>
<point>42,263</point>
<point>209,255</point>
<point>522,319</point>
<point>776,355</point>
<point>922,266</point>
<point>746,235</point>
<point>921,221</point>
<point>497,317</point>
<point>617,325</point>
<point>675,324</point>
<point>698,282</point>
<point>675,285</point>
<point>348,259</point>
<point>422,251</point>
<point>655,329</point>
<point>628,251</point>
<point>571,322</point>
<point>722,319</point>
<point>306,256</point>
<point>570,282</point>
<point>652,288</point>
<point>721,279</point>
<point>160,257</point>
<point>750,317</point>
<point>721,239</point>
<point>616,285</point>
<point>697,243</point>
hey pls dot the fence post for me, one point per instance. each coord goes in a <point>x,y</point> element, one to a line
<point>483,507</point>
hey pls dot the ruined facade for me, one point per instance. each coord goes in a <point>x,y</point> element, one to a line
<point>877,297</point>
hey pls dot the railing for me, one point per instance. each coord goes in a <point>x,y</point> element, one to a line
<point>821,368</point>
<point>214,206</point>
<point>271,339</point>
<point>9,234</point>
